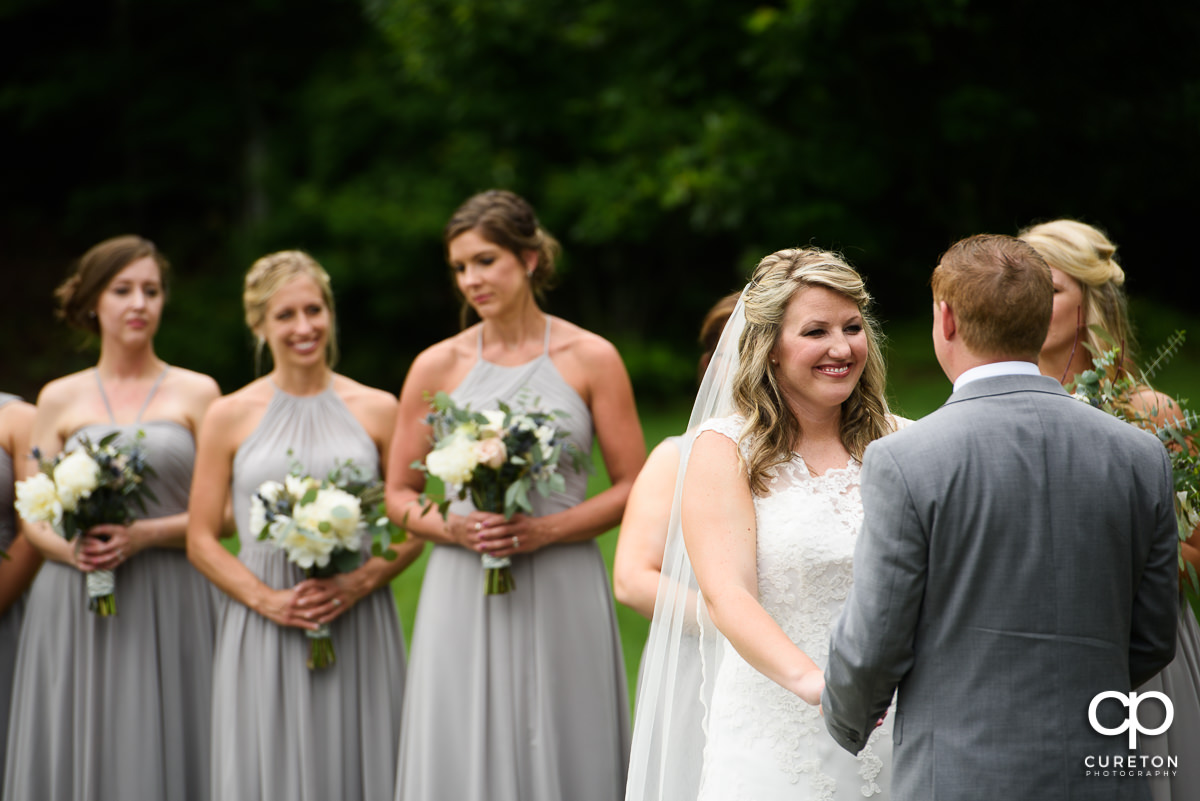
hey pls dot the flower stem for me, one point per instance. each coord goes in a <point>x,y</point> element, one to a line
<point>104,605</point>
<point>498,580</point>
<point>320,649</point>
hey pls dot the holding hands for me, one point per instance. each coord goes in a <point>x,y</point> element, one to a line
<point>107,545</point>
<point>489,533</point>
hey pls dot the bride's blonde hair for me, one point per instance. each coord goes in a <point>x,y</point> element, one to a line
<point>771,428</point>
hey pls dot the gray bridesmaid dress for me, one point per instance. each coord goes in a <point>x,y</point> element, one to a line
<point>521,696</point>
<point>10,621</point>
<point>281,730</point>
<point>1180,681</point>
<point>117,709</point>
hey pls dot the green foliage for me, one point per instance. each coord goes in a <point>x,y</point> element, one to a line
<point>669,146</point>
<point>1110,386</point>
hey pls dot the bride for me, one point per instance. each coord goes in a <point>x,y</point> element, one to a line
<point>768,508</point>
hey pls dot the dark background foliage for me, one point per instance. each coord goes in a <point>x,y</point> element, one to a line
<point>668,145</point>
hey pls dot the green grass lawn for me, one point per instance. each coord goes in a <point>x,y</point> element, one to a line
<point>916,387</point>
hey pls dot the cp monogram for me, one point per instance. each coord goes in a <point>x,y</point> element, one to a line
<point>1131,724</point>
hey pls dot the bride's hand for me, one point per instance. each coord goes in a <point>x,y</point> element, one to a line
<point>810,687</point>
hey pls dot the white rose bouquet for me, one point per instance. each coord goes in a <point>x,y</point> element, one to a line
<point>320,524</point>
<point>498,456</point>
<point>1109,387</point>
<point>93,484</point>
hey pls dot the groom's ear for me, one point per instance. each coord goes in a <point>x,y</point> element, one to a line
<point>946,320</point>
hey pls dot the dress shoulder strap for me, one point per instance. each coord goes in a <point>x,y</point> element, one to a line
<point>546,339</point>
<point>150,395</point>
<point>112,418</point>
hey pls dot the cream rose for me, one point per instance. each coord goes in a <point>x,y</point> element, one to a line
<point>75,477</point>
<point>491,452</point>
<point>37,500</point>
<point>339,509</point>
<point>454,461</point>
<point>304,548</point>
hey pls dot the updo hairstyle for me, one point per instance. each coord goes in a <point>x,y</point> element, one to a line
<point>78,295</point>
<point>506,219</point>
<point>1087,255</point>
<point>267,276</point>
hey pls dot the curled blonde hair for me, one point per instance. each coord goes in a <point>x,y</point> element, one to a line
<point>1086,254</point>
<point>267,276</point>
<point>771,428</point>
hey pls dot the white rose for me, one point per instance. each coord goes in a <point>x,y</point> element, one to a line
<point>297,486</point>
<point>544,435</point>
<point>37,500</point>
<point>495,422</point>
<point>454,462</point>
<point>304,548</point>
<point>75,477</point>
<point>272,491</point>
<point>339,509</point>
<point>491,452</point>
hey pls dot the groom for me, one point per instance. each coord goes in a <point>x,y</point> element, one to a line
<point>1017,558</point>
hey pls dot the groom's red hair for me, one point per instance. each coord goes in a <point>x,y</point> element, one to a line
<point>1000,291</point>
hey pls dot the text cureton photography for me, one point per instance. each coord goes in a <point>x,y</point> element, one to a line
<point>1131,764</point>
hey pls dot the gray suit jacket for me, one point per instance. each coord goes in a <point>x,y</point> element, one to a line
<point>1017,557</point>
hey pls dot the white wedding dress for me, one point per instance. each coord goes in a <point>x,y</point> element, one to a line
<point>763,743</point>
<point>709,726</point>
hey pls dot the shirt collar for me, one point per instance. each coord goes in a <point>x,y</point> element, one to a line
<point>995,369</point>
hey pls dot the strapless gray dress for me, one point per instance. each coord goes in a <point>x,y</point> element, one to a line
<point>280,730</point>
<point>521,696</point>
<point>118,709</point>
<point>10,621</point>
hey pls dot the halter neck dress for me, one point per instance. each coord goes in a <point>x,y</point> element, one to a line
<point>10,621</point>
<point>117,709</point>
<point>280,730</point>
<point>521,696</point>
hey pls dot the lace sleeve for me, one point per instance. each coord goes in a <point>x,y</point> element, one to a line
<point>730,427</point>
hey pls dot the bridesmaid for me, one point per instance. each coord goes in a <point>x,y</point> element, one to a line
<point>280,730</point>
<point>1088,291</point>
<point>18,570</point>
<point>117,708</point>
<point>521,696</point>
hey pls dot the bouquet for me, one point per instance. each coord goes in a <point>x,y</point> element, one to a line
<point>92,484</point>
<point>319,524</point>
<point>498,456</point>
<point>1109,386</point>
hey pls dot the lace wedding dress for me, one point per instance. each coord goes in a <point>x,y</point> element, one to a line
<point>763,742</point>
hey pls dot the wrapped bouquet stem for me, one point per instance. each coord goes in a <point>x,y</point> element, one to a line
<point>497,570</point>
<point>497,456</point>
